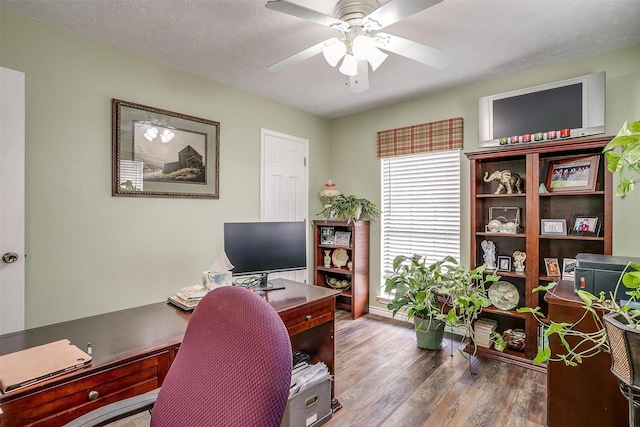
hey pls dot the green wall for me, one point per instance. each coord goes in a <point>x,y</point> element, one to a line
<point>353,139</point>
<point>89,252</point>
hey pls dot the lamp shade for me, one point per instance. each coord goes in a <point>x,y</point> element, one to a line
<point>166,135</point>
<point>151,134</point>
<point>333,51</point>
<point>349,66</point>
<point>364,48</point>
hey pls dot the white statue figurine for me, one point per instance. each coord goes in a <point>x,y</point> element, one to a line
<point>489,249</point>
<point>518,261</point>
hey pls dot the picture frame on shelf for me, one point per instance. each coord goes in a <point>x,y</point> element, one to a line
<point>160,153</point>
<point>552,267</point>
<point>568,268</point>
<point>551,226</point>
<point>573,174</point>
<point>585,225</point>
<point>504,263</point>
<point>327,235</point>
<point>342,238</point>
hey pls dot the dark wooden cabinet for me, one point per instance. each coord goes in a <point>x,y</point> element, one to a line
<point>347,261</point>
<point>590,386</point>
<point>532,163</point>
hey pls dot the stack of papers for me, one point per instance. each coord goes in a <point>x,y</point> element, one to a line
<point>482,331</point>
<point>305,376</point>
<point>188,298</point>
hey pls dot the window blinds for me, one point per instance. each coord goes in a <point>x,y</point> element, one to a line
<point>421,206</point>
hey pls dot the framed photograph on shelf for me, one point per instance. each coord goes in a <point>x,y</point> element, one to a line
<point>552,266</point>
<point>585,225</point>
<point>573,174</point>
<point>504,263</point>
<point>327,235</point>
<point>553,226</point>
<point>342,238</point>
<point>568,268</point>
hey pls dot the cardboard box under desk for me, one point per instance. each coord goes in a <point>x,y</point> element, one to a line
<point>309,408</point>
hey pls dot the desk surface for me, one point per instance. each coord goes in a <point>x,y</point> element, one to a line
<point>123,334</point>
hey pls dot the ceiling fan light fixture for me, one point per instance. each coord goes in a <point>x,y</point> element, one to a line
<point>333,51</point>
<point>364,48</point>
<point>349,66</point>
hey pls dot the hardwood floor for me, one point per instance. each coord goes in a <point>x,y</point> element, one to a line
<point>383,379</point>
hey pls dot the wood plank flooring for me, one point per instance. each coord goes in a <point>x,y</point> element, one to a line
<point>383,379</point>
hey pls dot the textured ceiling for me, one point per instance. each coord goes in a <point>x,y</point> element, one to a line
<point>233,42</point>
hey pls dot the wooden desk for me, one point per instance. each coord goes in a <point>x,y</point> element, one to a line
<point>133,349</point>
<point>588,394</point>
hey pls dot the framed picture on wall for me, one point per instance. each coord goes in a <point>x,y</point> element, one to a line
<point>159,153</point>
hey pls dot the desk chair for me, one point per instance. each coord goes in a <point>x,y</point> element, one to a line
<point>233,368</point>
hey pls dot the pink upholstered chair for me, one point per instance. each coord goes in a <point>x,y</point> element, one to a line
<point>232,369</point>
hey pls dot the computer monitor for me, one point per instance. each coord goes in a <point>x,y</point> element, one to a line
<point>260,248</point>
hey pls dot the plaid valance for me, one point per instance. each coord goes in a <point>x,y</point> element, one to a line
<point>434,136</point>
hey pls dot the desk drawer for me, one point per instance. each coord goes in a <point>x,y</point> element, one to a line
<point>61,403</point>
<point>306,318</point>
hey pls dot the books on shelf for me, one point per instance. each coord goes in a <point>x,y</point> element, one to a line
<point>482,330</point>
<point>188,297</point>
<point>543,341</point>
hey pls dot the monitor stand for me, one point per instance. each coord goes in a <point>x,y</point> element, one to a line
<point>265,285</point>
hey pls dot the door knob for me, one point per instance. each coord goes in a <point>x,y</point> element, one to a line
<point>10,257</point>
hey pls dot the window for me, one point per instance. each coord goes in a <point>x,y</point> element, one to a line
<point>421,205</point>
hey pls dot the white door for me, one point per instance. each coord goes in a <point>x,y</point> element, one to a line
<point>11,201</point>
<point>284,183</point>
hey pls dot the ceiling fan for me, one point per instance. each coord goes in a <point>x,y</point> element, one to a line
<point>360,41</point>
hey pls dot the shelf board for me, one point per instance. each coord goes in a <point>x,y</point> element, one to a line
<point>510,356</point>
<point>509,313</point>
<point>344,271</point>
<point>512,235</point>
<point>570,237</point>
<point>497,196</point>
<point>572,193</point>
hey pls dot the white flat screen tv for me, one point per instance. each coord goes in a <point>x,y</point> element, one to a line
<point>575,104</point>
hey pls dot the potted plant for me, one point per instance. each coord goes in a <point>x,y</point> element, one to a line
<point>438,294</point>
<point>349,208</point>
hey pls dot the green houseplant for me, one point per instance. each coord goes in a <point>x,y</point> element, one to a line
<point>438,294</point>
<point>349,208</point>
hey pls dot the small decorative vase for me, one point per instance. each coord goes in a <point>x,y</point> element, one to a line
<point>327,259</point>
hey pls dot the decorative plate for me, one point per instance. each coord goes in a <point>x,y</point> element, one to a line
<point>495,226</point>
<point>504,295</point>
<point>340,257</point>
<point>336,283</point>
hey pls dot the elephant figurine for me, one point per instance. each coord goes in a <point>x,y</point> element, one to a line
<point>505,179</point>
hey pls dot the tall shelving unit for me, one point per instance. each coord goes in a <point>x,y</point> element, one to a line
<point>531,162</point>
<point>355,298</point>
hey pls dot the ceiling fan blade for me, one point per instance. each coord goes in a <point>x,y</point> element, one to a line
<point>300,56</point>
<point>306,13</point>
<point>360,83</point>
<point>393,11</point>
<point>412,50</point>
